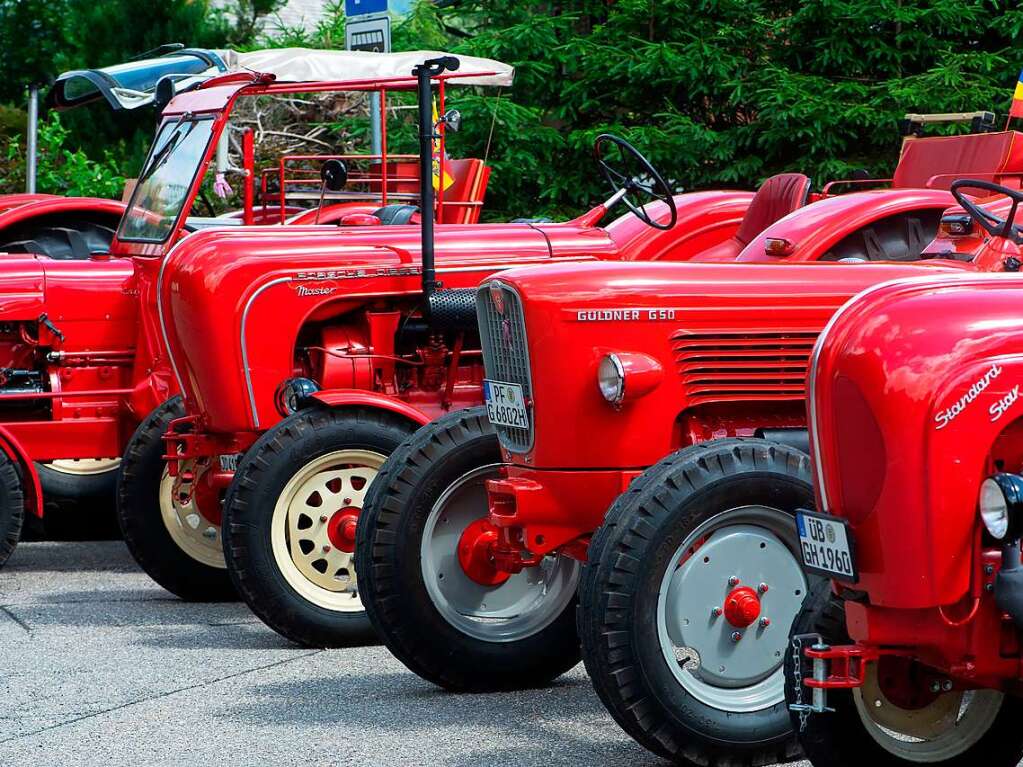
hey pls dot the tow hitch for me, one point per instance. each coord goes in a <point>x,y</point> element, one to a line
<point>849,668</point>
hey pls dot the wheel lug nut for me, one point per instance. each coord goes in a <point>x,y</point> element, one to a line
<point>947,685</point>
<point>347,501</point>
<point>326,548</point>
<point>762,588</point>
<point>736,636</point>
<point>323,517</point>
<point>935,687</point>
<point>716,612</point>
<point>765,622</point>
<point>733,581</point>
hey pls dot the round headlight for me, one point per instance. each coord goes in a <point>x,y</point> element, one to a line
<point>292,394</point>
<point>611,379</point>
<point>994,508</point>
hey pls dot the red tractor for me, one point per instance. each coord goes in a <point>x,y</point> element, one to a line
<point>352,342</point>
<point>479,529</point>
<point>911,653</point>
<point>85,361</point>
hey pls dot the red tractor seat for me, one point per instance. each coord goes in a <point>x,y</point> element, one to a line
<point>937,161</point>
<point>777,197</point>
<point>464,198</point>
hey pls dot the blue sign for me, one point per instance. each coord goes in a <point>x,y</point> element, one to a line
<point>364,7</point>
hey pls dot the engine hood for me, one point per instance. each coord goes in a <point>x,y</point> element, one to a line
<point>223,293</point>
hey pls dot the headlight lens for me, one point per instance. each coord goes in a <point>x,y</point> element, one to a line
<point>994,508</point>
<point>292,394</point>
<point>611,379</point>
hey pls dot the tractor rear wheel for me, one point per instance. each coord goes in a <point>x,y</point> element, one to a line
<point>73,237</point>
<point>950,729</point>
<point>462,629</point>
<point>12,507</point>
<point>290,517</point>
<point>686,600</point>
<point>172,531</point>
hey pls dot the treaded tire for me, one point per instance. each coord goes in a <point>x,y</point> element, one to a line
<point>388,559</point>
<point>62,237</point>
<point>61,485</point>
<point>839,739</point>
<point>12,507</point>
<point>142,525</point>
<point>262,475</point>
<point>619,593</point>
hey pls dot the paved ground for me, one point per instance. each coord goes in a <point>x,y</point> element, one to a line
<point>99,666</point>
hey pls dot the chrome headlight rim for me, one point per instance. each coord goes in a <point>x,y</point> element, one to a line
<point>611,379</point>
<point>993,507</point>
<point>293,394</point>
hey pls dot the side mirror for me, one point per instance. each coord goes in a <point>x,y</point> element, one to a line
<point>334,174</point>
<point>453,120</point>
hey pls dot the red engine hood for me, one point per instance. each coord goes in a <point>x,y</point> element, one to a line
<point>224,293</point>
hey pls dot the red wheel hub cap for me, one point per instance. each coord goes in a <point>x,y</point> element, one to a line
<point>475,553</point>
<point>341,529</point>
<point>742,607</point>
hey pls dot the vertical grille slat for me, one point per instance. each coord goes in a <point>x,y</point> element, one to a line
<point>506,354</point>
<point>741,365</point>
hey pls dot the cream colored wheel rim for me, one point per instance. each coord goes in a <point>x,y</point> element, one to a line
<point>82,467</point>
<point>190,530</point>
<point>941,731</point>
<point>310,562</point>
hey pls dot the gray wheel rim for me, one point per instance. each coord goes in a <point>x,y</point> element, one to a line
<point>756,545</point>
<point>522,606</point>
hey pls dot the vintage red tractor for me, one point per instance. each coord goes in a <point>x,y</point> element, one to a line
<point>85,361</point>
<point>360,351</point>
<point>471,542</point>
<point>913,655</point>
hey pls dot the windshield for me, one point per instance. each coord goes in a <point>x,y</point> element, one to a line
<point>165,180</point>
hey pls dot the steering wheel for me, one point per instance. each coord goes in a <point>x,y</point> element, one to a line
<point>629,172</point>
<point>989,222</point>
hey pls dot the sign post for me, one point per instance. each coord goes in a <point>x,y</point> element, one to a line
<point>368,28</point>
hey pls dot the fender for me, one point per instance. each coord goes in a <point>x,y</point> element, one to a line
<point>705,219</point>
<point>345,398</point>
<point>920,378</point>
<point>29,477</point>
<point>816,228</point>
<point>8,201</point>
<point>49,206</point>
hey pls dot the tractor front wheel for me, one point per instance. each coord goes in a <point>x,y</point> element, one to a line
<point>888,723</point>
<point>685,604</point>
<point>465,629</point>
<point>172,530</point>
<point>290,517</point>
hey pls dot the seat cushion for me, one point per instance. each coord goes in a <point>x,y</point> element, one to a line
<point>777,197</point>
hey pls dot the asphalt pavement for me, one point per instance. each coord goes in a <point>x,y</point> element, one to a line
<point>100,666</point>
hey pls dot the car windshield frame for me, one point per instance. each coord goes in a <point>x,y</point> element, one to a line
<point>171,138</point>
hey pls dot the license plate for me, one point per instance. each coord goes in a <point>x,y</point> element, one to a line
<point>230,462</point>
<point>506,405</point>
<point>826,546</point>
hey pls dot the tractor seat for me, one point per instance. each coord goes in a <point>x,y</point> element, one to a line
<point>397,214</point>
<point>777,197</point>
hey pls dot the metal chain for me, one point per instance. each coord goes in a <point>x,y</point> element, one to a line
<point>797,673</point>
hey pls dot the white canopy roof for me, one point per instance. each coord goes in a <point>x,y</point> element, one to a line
<point>133,84</point>
<point>308,64</point>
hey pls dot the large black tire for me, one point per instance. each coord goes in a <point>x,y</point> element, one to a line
<point>388,557</point>
<point>12,507</point>
<point>629,560</point>
<point>57,484</point>
<point>142,524</point>
<point>279,456</point>
<point>840,739</point>
<point>65,237</point>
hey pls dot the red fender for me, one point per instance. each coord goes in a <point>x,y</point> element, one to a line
<point>815,228</point>
<point>338,398</point>
<point>30,479</point>
<point>8,201</point>
<point>47,206</point>
<point>705,219</point>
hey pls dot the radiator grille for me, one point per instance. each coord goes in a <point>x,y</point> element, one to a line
<point>741,365</point>
<point>506,353</point>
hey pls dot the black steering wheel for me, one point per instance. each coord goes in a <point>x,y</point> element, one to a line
<point>629,172</point>
<point>989,222</point>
